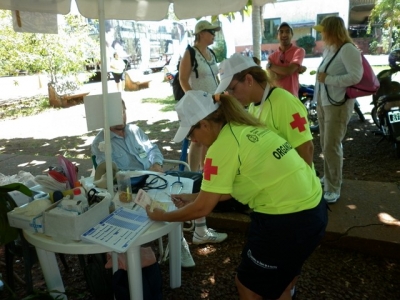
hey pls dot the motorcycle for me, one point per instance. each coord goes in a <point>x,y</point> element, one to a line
<point>386,102</point>
<point>306,95</point>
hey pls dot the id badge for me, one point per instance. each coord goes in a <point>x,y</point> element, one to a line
<point>142,154</point>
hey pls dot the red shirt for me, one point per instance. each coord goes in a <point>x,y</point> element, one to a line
<point>293,55</point>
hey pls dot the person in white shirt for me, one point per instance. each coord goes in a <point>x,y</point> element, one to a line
<point>341,67</point>
<point>117,66</point>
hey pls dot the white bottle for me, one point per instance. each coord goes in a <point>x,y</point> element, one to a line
<point>80,196</point>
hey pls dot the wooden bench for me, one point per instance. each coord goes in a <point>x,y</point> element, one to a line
<point>131,85</point>
<point>57,100</point>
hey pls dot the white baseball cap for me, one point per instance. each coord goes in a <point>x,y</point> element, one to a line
<point>231,66</point>
<point>193,107</point>
<point>205,25</point>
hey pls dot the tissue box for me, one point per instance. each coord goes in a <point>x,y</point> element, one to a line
<point>33,224</point>
<point>72,227</point>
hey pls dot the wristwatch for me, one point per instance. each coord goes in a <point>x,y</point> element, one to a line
<point>269,65</point>
<point>157,163</point>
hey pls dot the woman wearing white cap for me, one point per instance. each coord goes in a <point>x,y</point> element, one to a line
<point>262,170</point>
<point>201,76</point>
<point>276,108</point>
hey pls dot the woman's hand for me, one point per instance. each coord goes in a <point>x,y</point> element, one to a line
<point>181,200</point>
<point>321,77</point>
<point>157,214</point>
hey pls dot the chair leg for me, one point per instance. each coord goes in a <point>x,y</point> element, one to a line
<point>29,255</point>
<point>9,258</point>
<point>64,262</point>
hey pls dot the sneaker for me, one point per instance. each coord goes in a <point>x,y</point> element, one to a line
<point>186,258</point>
<point>211,236</point>
<point>331,197</point>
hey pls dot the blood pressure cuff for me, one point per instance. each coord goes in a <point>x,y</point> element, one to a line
<point>138,182</point>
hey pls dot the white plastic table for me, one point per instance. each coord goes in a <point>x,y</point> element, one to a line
<point>46,248</point>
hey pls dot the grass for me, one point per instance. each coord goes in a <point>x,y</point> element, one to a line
<point>25,107</point>
<point>168,103</point>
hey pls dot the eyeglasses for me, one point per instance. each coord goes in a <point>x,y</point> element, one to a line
<point>191,130</point>
<point>210,31</point>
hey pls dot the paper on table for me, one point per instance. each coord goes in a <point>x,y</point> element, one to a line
<point>143,199</point>
<point>120,229</point>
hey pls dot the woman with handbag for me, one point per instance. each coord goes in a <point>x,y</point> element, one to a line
<point>341,67</point>
<point>260,169</point>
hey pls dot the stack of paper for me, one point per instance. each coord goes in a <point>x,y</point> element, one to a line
<point>120,229</point>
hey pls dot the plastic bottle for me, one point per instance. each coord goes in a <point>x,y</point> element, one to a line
<point>79,196</point>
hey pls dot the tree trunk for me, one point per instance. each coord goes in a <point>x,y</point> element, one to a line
<point>256,26</point>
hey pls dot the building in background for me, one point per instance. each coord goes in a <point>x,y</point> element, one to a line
<point>303,15</point>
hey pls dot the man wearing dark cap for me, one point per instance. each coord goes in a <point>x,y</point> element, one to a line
<point>286,62</point>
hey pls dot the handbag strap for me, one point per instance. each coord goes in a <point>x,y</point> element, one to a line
<point>331,101</point>
<point>207,64</point>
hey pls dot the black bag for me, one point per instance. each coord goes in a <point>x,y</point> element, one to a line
<point>176,85</point>
<point>152,283</point>
<point>98,278</point>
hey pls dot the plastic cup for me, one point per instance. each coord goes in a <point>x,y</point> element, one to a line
<point>124,186</point>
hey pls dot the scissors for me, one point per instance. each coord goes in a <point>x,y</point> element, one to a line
<point>92,196</point>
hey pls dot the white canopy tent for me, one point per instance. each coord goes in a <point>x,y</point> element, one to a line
<point>140,10</point>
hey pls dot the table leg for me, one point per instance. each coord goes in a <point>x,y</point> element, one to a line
<point>51,272</point>
<point>175,241</point>
<point>134,273</point>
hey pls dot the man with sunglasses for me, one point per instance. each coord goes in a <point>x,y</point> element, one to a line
<point>285,63</point>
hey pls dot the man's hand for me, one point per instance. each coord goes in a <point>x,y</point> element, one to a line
<point>302,69</point>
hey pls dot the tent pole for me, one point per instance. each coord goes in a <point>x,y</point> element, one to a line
<point>103,57</point>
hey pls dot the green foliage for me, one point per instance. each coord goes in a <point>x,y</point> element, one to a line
<point>373,47</point>
<point>59,55</point>
<point>386,14</point>
<point>219,49</point>
<point>307,42</point>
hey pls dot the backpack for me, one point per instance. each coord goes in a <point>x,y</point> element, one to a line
<point>368,85</point>
<point>176,85</point>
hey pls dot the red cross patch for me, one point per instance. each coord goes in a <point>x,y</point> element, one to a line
<point>298,122</point>
<point>209,169</point>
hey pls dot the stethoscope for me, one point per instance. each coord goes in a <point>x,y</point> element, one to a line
<point>178,184</point>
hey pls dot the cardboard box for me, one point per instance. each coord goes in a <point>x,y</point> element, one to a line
<point>33,224</point>
<point>66,227</point>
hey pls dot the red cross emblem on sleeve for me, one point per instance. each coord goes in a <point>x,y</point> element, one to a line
<point>298,122</point>
<point>209,169</point>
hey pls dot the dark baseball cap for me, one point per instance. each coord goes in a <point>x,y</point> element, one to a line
<point>283,24</point>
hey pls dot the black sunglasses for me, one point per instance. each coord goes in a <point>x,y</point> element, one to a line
<point>211,31</point>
